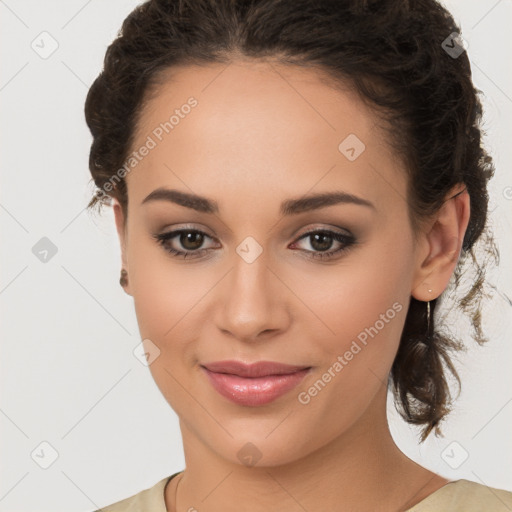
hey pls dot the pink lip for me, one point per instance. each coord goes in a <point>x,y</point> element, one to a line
<point>255,384</point>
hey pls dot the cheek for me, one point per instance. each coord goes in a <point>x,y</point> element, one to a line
<point>360,294</point>
<point>365,313</point>
<point>166,301</point>
<point>162,290</point>
<point>169,300</point>
<point>360,308</point>
<point>364,334</point>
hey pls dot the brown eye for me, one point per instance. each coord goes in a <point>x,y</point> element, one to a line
<point>322,240</point>
<point>191,240</point>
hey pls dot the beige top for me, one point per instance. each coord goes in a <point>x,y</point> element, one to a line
<point>456,496</point>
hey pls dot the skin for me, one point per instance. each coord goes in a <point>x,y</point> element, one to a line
<point>263,133</point>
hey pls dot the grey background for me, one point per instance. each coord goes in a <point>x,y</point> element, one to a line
<point>68,374</point>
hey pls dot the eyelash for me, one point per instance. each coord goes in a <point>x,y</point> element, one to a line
<point>347,240</point>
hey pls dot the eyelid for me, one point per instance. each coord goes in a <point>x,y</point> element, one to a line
<point>323,227</point>
<point>186,227</point>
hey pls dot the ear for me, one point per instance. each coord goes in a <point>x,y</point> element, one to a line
<point>439,246</point>
<point>121,232</point>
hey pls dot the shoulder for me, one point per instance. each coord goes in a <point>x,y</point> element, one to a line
<point>148,499</point>
<point>467,496</point>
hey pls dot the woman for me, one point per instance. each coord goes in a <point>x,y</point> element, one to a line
<point>294,185</point>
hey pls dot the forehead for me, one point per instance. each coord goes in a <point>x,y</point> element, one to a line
<point>257,96</point>
<point>254,125</point>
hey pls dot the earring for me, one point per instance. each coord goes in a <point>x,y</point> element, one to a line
<point>428,316</point>
<point>123,280</point>
<point>428,319</point>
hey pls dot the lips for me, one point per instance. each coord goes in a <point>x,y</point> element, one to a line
<point>258,369</point>
<point>253,384</point>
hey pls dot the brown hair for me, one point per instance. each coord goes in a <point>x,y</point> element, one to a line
<point>394,54</point>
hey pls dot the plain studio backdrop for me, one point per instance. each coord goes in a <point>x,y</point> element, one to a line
<point>82,422</point>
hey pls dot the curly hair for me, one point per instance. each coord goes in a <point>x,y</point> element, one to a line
<point>394,54</point>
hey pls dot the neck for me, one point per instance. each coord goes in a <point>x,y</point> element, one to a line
<point>361,469</point>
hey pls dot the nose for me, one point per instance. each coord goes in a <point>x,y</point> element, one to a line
<point>253,302</point>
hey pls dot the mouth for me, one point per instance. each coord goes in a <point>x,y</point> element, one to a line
<point>257,369</point>
<point>255,384</point>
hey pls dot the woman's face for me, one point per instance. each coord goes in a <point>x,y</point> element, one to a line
<point>253,139</point>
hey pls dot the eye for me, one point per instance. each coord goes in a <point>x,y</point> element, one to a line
<point>189,239</point>
<point>322,240</point>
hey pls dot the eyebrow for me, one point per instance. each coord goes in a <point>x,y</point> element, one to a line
<point>288,207</point>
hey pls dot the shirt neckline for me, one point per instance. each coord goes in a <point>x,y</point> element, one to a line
<point>424,501</point>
